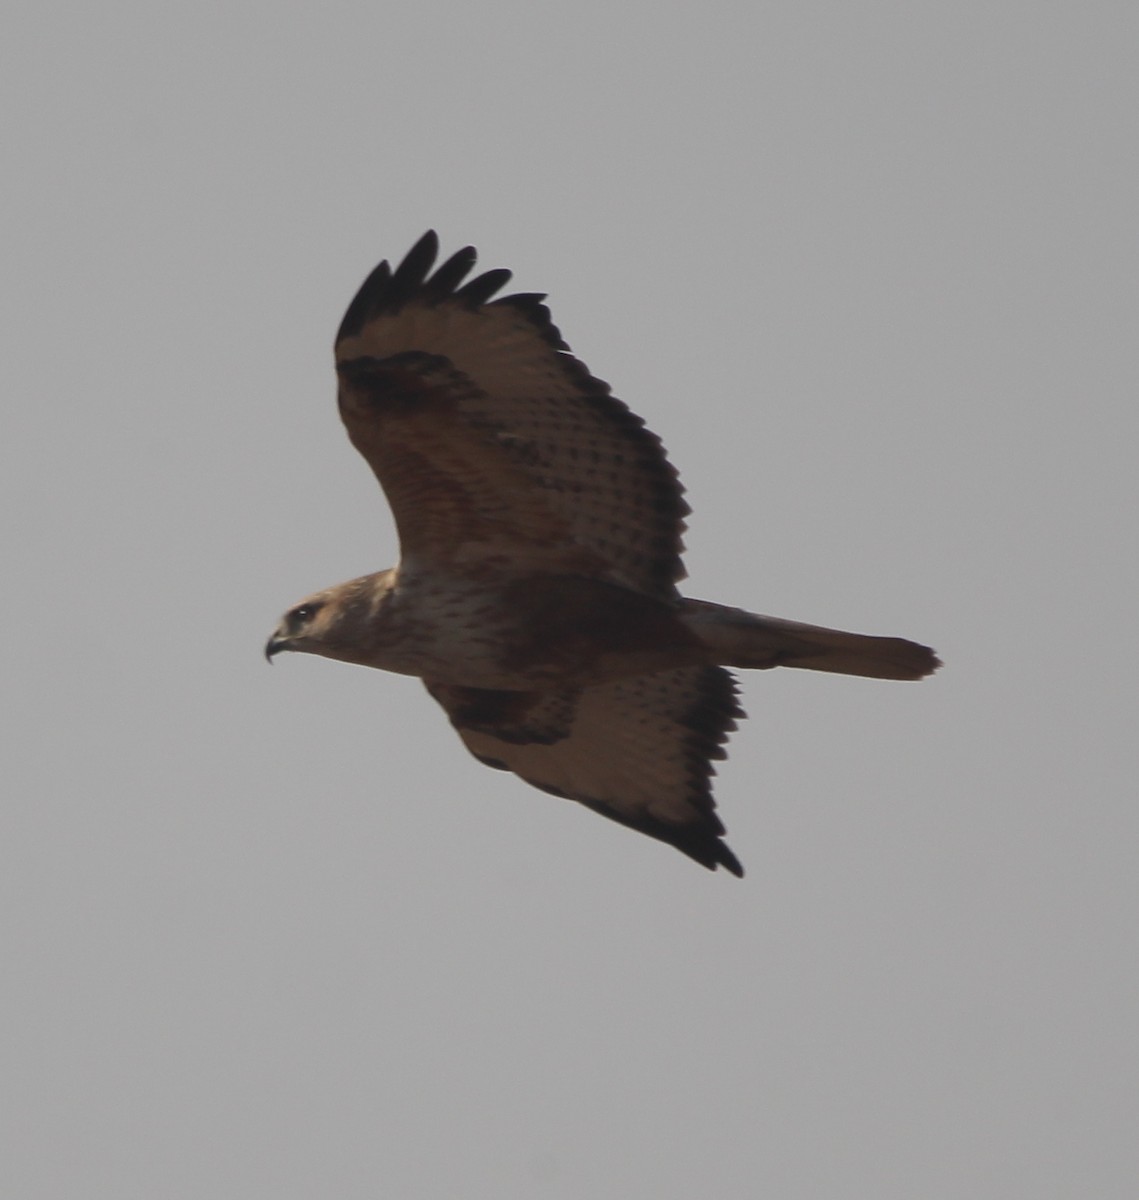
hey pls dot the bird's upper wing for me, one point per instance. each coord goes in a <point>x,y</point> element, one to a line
<point>492,442</point>
<point>638,751</point>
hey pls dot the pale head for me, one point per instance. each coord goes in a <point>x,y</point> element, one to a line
<point>334,622</point>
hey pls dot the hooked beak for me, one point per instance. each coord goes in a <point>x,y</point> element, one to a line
<point>274,646</point>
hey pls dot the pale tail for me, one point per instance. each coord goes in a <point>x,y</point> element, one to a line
<point>741,639</point>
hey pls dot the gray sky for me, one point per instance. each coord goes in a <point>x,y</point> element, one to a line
<point>869,270</point>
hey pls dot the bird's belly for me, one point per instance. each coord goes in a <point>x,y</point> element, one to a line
<point>528,632</point>
<point>458,656</point>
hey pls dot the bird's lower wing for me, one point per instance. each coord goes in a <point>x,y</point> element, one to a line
<point>638,751</point>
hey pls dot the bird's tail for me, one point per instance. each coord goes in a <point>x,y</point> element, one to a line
<point>741,639</point>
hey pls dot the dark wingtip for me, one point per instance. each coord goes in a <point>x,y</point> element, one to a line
<point>386,290</point>
<point>444,282</point>
<point>482,287</point>
<point>364,302</point>
<point>708,849</point>
<point>729,862</point>
<point>417,263</point>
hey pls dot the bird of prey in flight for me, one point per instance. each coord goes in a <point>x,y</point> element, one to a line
<point>540,533</point>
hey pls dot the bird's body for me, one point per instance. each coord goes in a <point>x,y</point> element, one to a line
<point>488,626</point>
<point>540,527</point>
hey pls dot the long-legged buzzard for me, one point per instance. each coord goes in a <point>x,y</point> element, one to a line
<point>540,536</point>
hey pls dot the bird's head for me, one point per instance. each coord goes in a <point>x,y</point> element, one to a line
<point>336,623</point>
<point>304,628</point>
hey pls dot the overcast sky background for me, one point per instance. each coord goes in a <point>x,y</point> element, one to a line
<point>870,270</point>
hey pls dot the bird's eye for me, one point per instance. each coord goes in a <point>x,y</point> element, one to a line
<point>303,614</point>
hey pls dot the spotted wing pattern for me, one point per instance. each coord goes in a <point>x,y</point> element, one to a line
<point>492,442</point>
<point>639,751</point>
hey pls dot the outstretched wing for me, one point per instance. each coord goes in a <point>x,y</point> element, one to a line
<point>638,751</point>
<point>491,440</point>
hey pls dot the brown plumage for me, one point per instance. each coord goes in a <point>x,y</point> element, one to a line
<point>540,530</point>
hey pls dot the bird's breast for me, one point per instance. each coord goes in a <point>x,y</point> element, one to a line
<point>522,631</point>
